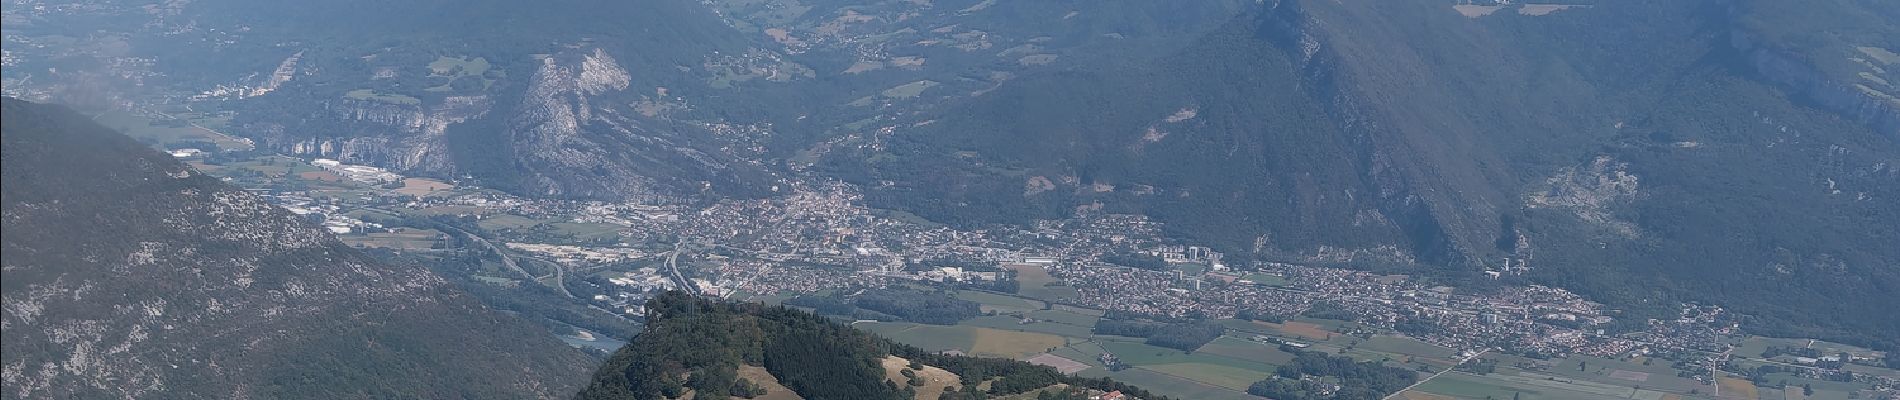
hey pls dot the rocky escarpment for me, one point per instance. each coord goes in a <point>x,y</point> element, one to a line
<point>409,137</point>
<point>551,124</point>
<point>571,123</point>
<point>1877,110</point>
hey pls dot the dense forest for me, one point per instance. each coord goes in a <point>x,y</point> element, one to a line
<point>1185,336</point>
<point>700,346</point>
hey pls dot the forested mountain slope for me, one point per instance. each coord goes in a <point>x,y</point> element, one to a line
<point>709,349</point>
<point>128,275</point>
<point>1640,152</point>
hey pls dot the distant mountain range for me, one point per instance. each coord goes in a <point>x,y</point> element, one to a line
<point>1643,153</point>
<point>128,275</point>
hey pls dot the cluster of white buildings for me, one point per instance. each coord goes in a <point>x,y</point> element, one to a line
<point>572,255</point>
<point>332,220</point>
<point>645,279</point>
<point>359,173</point>
<point>1189,254</point>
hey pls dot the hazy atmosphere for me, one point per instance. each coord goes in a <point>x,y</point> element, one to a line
<point>950,199</point>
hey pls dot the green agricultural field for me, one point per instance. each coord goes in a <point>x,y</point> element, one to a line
<point>1823,389</point>
<point>1600,379</point>
<point>506,221</point>
<point>1010,323</point>
<point>1265,279</point>
<point>586,231</point>
<point>969,339</point>
<point>1172,386</point>
<point>1298,329</point>
<point>1085,352</point>
<point>1034,282</point>
<point>1140,354</point>
<point>1001,303</point>
<point>1529,387</point>
<point>1753,347</point>
<point>397,239</point>
<point>933,338</point>
<point>1245,350</point>
<point>1659,375</point>
<point>1065,315</point>
<point>1877,371</point>
<point>1217,375</point>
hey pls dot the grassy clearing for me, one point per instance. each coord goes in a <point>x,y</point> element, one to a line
<point>372,95</point>
<point>1035,283</point>
<point>586,231</point>
<point>773,389</point>
<point>422,187</point>
<point>1017,345</point>
<point>909,90</point>
<point>935,379</point>
<point>452,69</point>
<point>396,239</point>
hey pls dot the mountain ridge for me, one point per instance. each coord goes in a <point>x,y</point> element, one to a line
<point>127,274</point>
<point>1574,148</point>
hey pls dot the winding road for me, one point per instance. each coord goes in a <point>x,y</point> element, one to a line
<point>559,285</point>
<point>673,268</point>
<point>1461,361</point>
